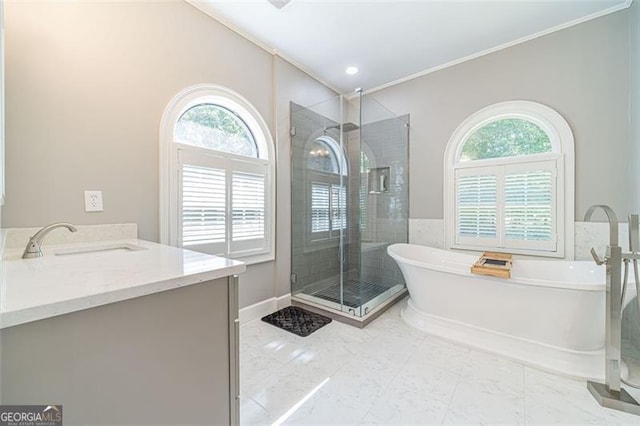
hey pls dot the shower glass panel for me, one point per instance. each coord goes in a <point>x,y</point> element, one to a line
<point>383,203</point>
<point>319,223</point>
<point>349,201</point>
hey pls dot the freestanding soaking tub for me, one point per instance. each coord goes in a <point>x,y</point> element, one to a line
<point>549,314</point>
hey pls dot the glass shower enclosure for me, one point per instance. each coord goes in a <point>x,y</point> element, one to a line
<point>349,201</point>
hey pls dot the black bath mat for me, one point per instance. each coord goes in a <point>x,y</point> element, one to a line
<point>297,320</point>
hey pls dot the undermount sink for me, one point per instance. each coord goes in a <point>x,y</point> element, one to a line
<point>97,249</point>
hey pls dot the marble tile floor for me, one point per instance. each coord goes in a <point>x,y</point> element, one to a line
<point>392,374</point>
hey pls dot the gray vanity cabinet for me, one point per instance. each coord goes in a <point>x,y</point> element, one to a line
<point>165,358</point>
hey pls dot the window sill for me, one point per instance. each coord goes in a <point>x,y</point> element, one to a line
<point>253,259</point>
<point>524,252</point>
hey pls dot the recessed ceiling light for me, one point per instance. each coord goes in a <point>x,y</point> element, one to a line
<point>352,70</point>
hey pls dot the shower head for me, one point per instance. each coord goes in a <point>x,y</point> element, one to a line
<point>346,127</point>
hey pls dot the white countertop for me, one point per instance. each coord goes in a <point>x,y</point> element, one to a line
<point>34,289</point>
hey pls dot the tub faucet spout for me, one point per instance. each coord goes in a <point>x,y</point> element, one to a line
<point>34,246</point>
<point>613,221</point>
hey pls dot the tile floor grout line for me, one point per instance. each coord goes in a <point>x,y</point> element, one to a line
<point>384,389</point>
<point>458,380</point>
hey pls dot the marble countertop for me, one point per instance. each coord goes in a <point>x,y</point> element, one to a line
<point>72,277</point>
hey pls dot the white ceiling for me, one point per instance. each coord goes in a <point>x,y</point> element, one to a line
<point>394,40</point>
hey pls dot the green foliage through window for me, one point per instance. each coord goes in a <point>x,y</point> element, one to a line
<point>505,138</point>
<point>215,127</point>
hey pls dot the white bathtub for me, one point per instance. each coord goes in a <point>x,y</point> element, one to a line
<point>549,314</point>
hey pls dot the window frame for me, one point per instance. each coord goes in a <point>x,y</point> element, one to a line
<point>562,152</point>
<point>322,239</point>
<point>170,151</point>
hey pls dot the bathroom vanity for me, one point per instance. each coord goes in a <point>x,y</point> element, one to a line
<point>121,332</point>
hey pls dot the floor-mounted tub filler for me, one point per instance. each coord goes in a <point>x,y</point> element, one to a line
<point>610,394</point>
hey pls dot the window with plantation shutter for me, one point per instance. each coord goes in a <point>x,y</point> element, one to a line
<point>530,205</point>
<point>328,210</point>
<point>507,206</point>
<point>203,206</point>
<point>506,182</point>
<point>248,206</point>
<point>320,207</point>
<point>223,204</point>
<point>338,207</point>
<point>477,207</point>
<point>220,176</point>
<point>327,195</point>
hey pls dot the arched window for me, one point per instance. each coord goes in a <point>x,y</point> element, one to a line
<point>217,175</point>
<point>326,186</point>
<point>509,181</point>
<point>217,128</point>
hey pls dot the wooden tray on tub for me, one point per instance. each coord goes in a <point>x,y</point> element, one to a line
<point>493,264</point>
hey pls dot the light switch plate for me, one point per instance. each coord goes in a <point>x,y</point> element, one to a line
<point>93,201</point>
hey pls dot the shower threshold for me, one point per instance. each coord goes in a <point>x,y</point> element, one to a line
<point>353,293</point>
<point>325,302</point>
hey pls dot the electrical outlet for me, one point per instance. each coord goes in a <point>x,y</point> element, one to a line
<point>93,201</point>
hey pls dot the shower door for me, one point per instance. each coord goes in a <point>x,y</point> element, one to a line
<point>319,209</point>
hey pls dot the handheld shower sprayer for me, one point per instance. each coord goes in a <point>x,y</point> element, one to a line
<point>634,247</point>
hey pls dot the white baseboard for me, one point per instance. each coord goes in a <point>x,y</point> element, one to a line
<point>260,309</point>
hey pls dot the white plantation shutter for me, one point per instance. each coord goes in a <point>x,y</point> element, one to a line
<point>507,206</point>
<point>203,206</point>
<point>248,206</point>
<point>222,204</point>
<point>320,207</point>
<point>202,203</point>
<point>338,208</point>
<point>364,201</point>
<point>476,208</point>
<point>530,206</point>
<point>328,210</point>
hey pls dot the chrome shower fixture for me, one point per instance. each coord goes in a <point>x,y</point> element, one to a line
<point>346,127</point>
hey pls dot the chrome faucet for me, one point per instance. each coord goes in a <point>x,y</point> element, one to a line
<point>613,221</point>
<point>610,394</point>
<point>34,246</point>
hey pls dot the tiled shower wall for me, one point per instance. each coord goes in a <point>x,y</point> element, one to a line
<point>385,218</point>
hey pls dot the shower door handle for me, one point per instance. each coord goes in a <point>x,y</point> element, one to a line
<point>342,256</point>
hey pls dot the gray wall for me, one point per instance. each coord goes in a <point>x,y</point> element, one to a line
<point>87,83</point>
<point>582,72</point>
